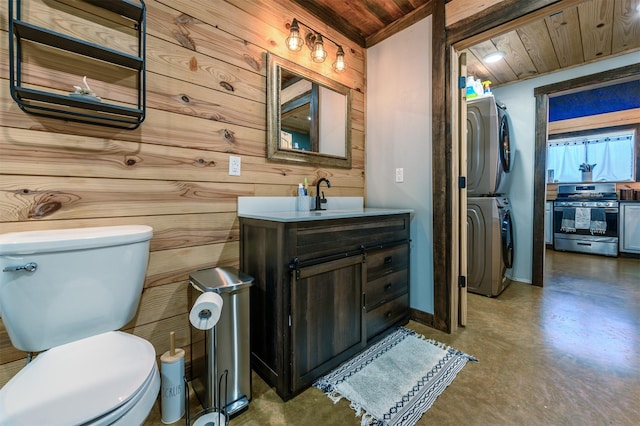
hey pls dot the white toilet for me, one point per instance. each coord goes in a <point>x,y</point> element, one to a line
<point>64,292</point>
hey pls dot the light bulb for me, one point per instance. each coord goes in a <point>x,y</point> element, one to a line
<point>318,54</point>
<point>294,41</point>
<point>339,65</point>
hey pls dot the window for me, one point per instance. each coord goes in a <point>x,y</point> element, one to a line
<point>612,153</point>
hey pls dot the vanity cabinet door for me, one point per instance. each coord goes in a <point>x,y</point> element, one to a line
<point>326,318</point>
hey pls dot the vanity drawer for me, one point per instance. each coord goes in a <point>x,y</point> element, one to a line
<point>386,260</point>
<point>386,288</point>
<point>386,315</point>
<point>320,238</point>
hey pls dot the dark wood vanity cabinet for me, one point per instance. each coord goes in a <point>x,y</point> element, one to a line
<point>322,288</point>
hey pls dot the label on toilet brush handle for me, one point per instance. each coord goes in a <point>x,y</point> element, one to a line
<point>172,388</point>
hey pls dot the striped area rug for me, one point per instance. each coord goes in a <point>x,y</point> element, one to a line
<point>396,380</point>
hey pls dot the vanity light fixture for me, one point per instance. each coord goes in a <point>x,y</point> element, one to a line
<point>315,41</point>
<point>294,41</point>
<point>493,57</point>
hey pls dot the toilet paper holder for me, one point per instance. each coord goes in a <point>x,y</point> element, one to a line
<point>216,415</point>
<point>205,315</point>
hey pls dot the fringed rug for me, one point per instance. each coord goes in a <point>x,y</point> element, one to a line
<point>395,381</point>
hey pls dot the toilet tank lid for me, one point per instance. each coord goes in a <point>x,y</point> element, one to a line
<point>52,240</point>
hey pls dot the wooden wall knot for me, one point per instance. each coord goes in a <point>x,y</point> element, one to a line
<point>204,163</point>
<point>183,19</point>
<point>46,209</point>
<point>228,135</point>
<point>184,98</point>
<point>48,204</point>
<point>193,64</point>
<point>227,86</point>
<point>184,40</point>
<point>252,62</point>
<point>130,160</point>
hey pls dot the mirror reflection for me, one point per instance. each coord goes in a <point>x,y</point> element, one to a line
<point>308,116</point>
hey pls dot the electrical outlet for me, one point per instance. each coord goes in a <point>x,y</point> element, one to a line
<point>234,165</point>
<point>399,175</point>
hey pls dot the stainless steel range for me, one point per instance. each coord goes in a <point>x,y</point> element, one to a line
<point>585,219</point>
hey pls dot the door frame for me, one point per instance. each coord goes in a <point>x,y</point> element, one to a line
<point>506,15</point>
<point>542,95</point>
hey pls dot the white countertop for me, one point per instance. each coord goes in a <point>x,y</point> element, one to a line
<point>282,209</point>
<point>296,216</point>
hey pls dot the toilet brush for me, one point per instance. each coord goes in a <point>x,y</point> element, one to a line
<point>172,403</point>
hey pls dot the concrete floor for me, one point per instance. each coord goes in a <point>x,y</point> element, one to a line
<point>565,354</point>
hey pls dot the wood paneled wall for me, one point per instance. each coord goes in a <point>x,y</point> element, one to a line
<point>206,100</point>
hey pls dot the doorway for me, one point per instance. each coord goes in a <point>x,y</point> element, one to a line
<point>542,95</point>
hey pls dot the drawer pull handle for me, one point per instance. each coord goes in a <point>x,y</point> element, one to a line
<point>388,287</point>
<point>388,260</point>
<point>388,314</point>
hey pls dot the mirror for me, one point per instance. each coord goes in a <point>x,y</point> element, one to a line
<point>308,116</point>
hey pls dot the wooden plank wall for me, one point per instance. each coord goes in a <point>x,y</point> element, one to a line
<point>206,99</point>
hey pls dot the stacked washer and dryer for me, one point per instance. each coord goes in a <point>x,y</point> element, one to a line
<point>489,222</point>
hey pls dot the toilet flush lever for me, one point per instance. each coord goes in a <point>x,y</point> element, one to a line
<point>29,267</point>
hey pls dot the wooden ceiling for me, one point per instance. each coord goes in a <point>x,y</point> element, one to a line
<point>579,34</point>
<point>362,20</point>
<point>588,32</point>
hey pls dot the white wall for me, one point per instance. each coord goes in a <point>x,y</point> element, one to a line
<point>398,135</point>
<point>520,102</point>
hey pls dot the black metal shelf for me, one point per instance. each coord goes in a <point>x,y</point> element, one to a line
<point>123,7</point>
<point>26,31</point>
<point>77,102</point>
<point>79,108</point>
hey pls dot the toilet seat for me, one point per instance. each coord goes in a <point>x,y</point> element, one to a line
<point>97,378</point>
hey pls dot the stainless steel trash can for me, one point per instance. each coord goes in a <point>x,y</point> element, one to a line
<point>225,347</point>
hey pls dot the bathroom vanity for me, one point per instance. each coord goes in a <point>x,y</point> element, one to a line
<point>326,285</point>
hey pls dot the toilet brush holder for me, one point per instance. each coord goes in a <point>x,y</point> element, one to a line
<point>172,399</point>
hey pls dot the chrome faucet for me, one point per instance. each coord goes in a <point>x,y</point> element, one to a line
<point>321,200</point>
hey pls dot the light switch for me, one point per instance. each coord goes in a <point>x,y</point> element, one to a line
<point>399,175</point>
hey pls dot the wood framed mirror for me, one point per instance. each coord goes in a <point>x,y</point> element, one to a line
<point>308,116</point>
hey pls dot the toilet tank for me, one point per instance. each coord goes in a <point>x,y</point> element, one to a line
<point>87,281</point>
